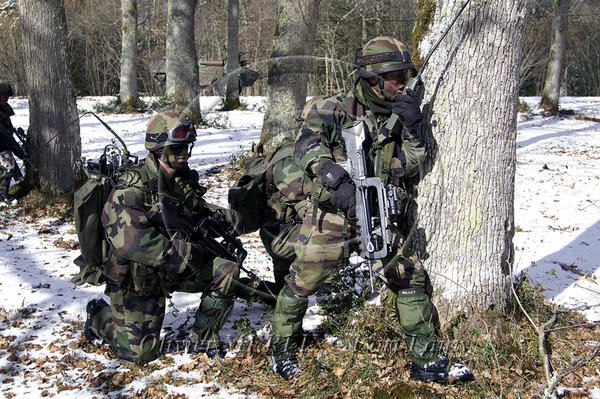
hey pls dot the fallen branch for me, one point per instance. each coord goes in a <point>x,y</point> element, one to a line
<point>587,118</point>
<point>544,348</point>
<point>551,391</point>
<point>581,362</point>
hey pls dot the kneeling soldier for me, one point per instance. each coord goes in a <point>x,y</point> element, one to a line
<point>148,258</point>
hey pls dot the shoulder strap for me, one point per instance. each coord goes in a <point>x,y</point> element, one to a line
<point>388,154</point>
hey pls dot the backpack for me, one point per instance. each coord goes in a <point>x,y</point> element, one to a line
<point>89,200</point>
<point>88,203</point>
<point>248,196</point>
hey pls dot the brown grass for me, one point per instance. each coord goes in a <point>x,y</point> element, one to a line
<point>370,360</point>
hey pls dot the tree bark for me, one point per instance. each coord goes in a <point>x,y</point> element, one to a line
<point>556,61</point>
<point>54,127</point>
<point>465,221</point>
<point>289,69</point>
<point>182,83</point>
<point>232,94</point>
<point>128,92</point>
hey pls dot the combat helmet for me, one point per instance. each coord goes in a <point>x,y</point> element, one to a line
<point>381,55</point>
<point>169,128</point>
<point>6,89</point>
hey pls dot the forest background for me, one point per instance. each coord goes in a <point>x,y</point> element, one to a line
<point>94,42</point>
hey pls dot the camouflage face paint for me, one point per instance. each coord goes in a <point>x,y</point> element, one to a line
<point>177,155</point>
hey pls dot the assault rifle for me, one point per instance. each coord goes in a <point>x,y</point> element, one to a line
<point>376,202</point>
<point>20,133</point>
<point>205,232</point>
<point>230,247</point>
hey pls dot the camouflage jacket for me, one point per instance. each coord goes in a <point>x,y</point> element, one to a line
<point>139,246</point>
<point>319,139</point>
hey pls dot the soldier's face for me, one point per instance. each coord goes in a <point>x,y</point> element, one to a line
<point>176,155</point>
<point>3,100</point>
<point>394,82</point>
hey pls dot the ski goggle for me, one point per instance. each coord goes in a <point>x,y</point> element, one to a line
<point>183,132</point>
<point>401,76</point>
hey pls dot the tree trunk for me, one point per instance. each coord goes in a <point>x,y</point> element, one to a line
<point>232,94</point>
<point>289,69</point>
<point>556,61</point>
<point>54,127</point>
<point>128,93</point>
<point>465,221</point>
<point>183,84</point>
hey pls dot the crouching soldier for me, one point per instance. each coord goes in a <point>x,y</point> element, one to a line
<point>395,149</point>
<point>147,220</point>
<point>8,145</point>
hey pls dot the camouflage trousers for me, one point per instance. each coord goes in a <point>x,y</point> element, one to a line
<point>8,170</point>
<point>321,248</point>
<point>132,323</point>
<point>279,242</point>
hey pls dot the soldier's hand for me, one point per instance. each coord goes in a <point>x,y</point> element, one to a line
<point>338,182</point>
<point>332,175</point>
<point>344,198</point>
<point>407,108</point>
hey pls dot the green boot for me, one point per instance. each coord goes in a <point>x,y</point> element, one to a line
<point>413,308</point>
<point>287,332</point>
<point>210,317</point>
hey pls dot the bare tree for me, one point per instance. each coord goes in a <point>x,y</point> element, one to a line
<point>182,63</point>
<point>11,47</point>
<point>288,69</point>
<point>128,93</point>
<point>54,129</point>
<point>556,61</point>
<point>465,221</point>
<point>232,94</point>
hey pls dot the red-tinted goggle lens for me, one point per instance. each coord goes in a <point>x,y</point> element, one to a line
<point>182,132</point>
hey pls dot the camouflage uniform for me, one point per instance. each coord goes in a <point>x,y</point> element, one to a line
<point>145,265</point>
<point>326,234</point>
<point>8,147</point>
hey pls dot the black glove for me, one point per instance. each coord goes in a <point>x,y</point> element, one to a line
<point>344,198</point>
<point>338,182</point>
<point>332,175</point>
<point>174,223</point>
<point>407,107</point>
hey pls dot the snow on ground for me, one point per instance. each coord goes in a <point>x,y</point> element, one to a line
<point>557,205</point>
<point>557,243</point>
